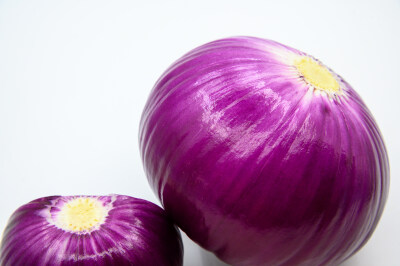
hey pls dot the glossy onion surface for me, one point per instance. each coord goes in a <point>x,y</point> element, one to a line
<point>90,230</point>
<point>263,155</point>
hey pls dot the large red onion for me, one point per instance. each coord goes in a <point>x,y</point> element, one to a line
<point>263,155</point>
<point>90,230</point>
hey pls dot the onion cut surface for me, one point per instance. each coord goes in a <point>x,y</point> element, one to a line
<point>263,155</point>
<point>90,230</point>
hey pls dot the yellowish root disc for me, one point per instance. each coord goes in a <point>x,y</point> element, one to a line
<point>316,74</point>
<point>81,214</point>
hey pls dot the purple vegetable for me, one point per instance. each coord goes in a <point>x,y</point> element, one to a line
<point>263,155</point>
<point>90,230</point>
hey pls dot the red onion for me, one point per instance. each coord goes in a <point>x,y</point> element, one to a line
<point>263,155</point>
<point>90,230</point>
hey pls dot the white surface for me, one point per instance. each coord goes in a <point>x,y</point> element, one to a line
<point>74,77</point>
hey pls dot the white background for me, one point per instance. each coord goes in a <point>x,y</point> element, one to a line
<point>74,77</point>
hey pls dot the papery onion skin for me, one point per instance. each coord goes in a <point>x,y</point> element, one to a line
<point>257,165</point>
<point>135,232</point>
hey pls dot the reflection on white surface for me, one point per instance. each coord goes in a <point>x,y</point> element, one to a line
<point>194,255</point>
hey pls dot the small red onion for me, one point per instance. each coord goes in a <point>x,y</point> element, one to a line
<point>90,230</point>
<point>263,155</point>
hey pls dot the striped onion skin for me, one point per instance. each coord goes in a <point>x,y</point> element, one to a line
<point>133,232</point>
<point>263,155</point>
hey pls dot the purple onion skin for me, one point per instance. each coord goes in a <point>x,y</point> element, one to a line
<point>257,165</point>
<point>135,232</point>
